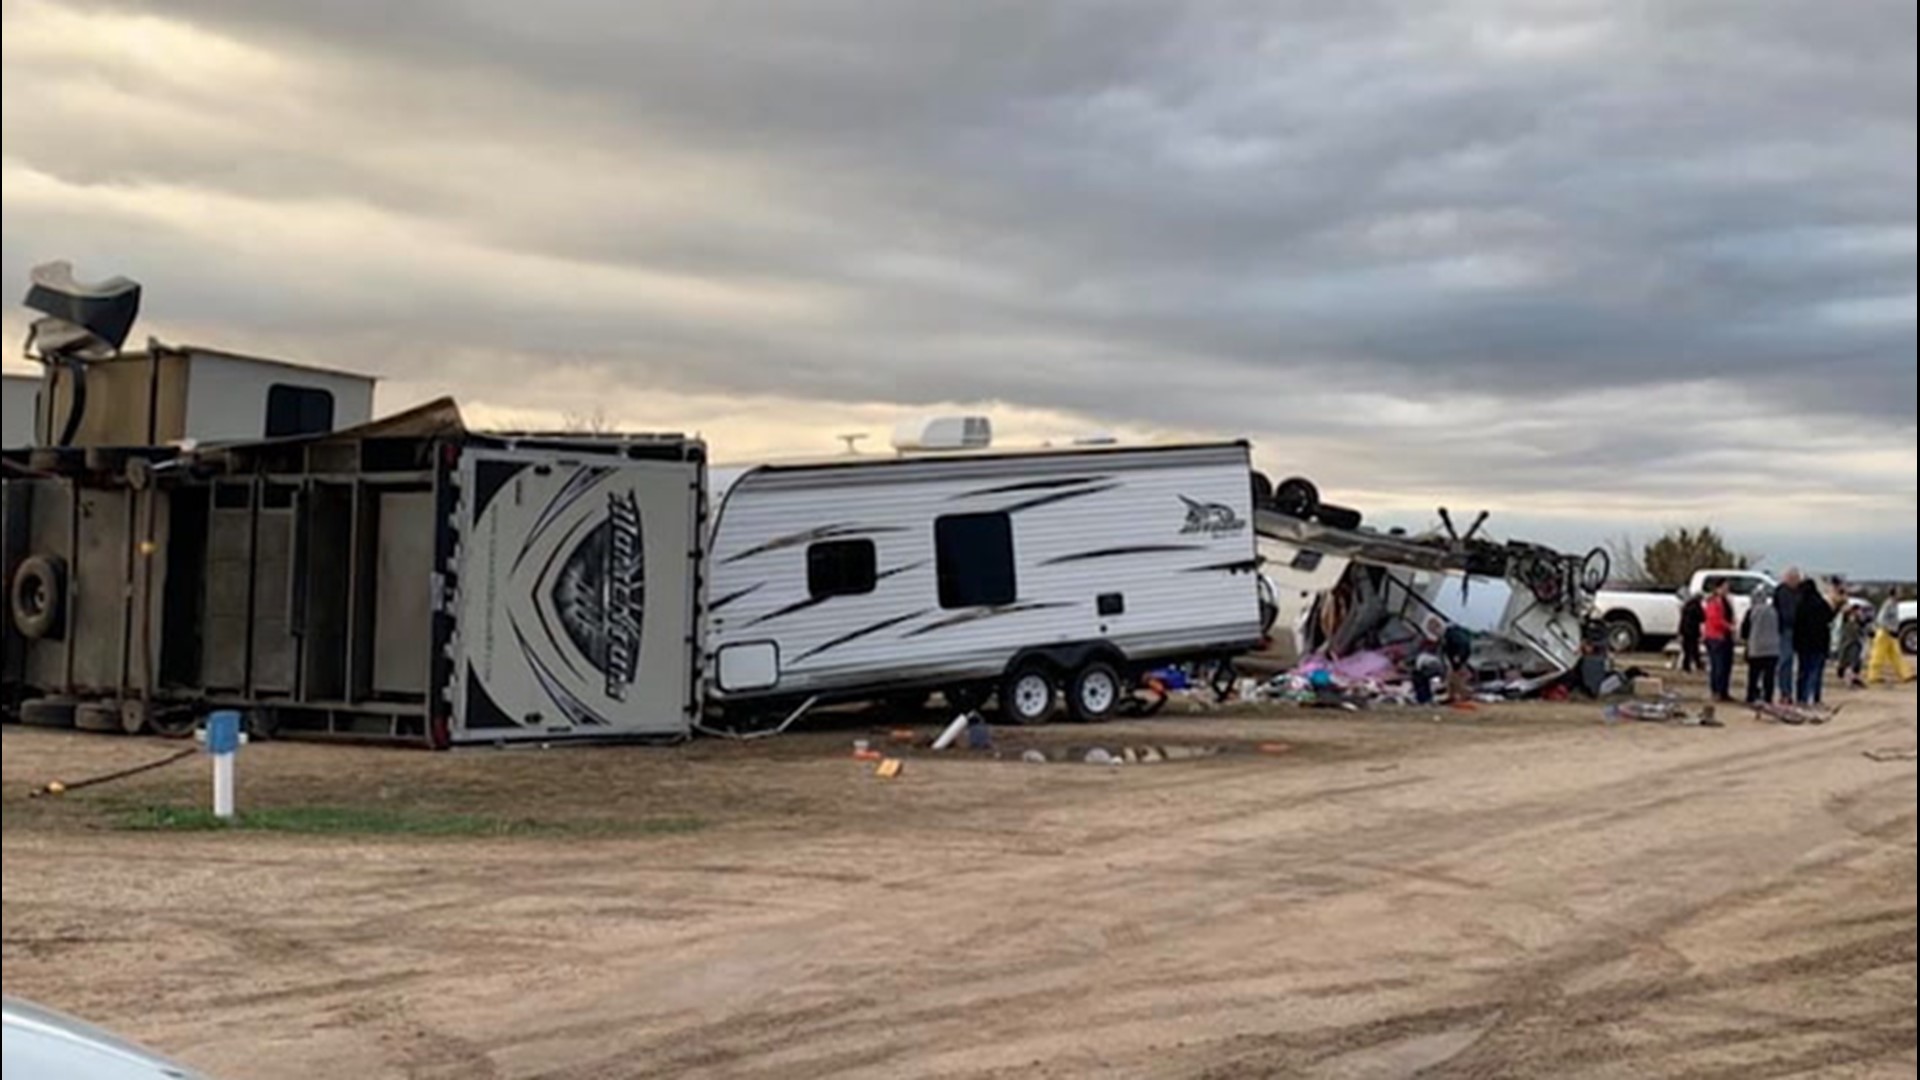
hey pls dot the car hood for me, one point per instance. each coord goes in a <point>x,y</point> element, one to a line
<point>41,1044</point>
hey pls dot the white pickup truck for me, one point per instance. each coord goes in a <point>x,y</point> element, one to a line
<point>1637,619</point>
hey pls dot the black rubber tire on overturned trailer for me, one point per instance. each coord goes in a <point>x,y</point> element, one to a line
<point>1095,693</point>
<point>37,596</point>
<point>1297,498</point>
<point>47,714</point>
<point>101,718</point>
<point>1028,695</point>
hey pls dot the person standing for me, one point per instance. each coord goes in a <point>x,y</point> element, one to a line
<point>1693,617</point>
<point>1889,661</point>
<point>1786,603</point>
<point>1718,630</point>
<point>1812,643</point>
<point>1849,638</point>
<point>1761,631</point>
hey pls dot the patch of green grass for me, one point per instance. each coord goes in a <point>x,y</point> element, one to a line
<point>377,821</point>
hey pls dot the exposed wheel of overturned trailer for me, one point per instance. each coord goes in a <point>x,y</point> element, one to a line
<point>1028,696</point>
<point>1297,498</point>
<point>101,718</point>
<point>1095,692</point>
<point>38,597</point>
<point>47,713</point>
<point>1623,635</point>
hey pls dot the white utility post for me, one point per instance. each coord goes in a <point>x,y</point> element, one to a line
<point>223,744</point>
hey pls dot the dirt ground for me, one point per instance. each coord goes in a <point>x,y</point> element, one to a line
<point>1517,892</point>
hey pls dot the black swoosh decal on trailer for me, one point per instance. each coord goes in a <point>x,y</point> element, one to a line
<point>967,618</point>
<point>737,595</point>
<point>576,710</point>
<point>801,605</point>
<point>824,532</point>
<point>1238,566</point>
<point>792,609</point>
<point>1033,485</point>
<point>582,482</point>
<point>488,478</point>
<point>540,611</point>
<point>1121,552</point>
<point>1058,497</point>
<point>863,632</point>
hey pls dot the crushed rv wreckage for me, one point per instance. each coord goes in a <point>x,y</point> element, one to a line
<point>1379,616</point>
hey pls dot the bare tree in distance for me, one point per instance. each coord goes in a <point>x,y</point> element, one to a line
<point>1673,559</point>
<point>590,423</point>
<point>1628,569</point>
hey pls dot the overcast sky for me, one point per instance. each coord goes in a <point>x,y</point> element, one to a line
<point>1598,266</point>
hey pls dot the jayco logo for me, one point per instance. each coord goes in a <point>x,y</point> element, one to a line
<point>626,591</point>
<point>1211,519</point>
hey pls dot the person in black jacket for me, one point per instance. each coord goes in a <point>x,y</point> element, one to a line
<point>1786,603</point>
<point>1812,642</point>
<point>1693,619</point>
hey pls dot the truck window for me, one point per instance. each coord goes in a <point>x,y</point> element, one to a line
<point>841,568</point>
<point>974,554</point>
<point>298,410</point>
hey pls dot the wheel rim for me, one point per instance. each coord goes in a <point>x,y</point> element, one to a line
<point>1098,692</point>
<point>1032,695</point>
<point>1623,639</point>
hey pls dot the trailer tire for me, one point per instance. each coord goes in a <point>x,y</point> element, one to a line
<point>1623,634</point>
<point>38,597</point>
<point>1340,517</point>
<point>1297,498</point>
<point>1028,695</point>
<point>1262,491</point>
<point>1095,693</point>
<point>47,714</point>
<point>101,719</point>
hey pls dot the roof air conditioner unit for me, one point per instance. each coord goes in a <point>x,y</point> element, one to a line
<point>943,433</point>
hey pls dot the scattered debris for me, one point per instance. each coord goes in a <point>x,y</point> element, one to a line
<point>953,732</point>
<point>890,769</point>
<point>1098,756</point>
<point>1034,757</point>
<point>1794,715</point>
<point>1393,618</point>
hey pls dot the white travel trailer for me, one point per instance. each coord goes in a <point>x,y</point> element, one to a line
<point>1022,573</point>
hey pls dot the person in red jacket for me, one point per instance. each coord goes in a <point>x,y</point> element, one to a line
<point>1719,632</point>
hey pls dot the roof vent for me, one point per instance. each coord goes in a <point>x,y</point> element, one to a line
<point>943,433</point>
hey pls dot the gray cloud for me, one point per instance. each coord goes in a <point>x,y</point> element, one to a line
<point>1232,215</point>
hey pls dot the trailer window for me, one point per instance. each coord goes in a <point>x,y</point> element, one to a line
<point>841,568</point>
<point>298,410</point>
<point>975,556</point>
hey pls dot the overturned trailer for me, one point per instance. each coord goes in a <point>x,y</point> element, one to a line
<point>407,580</point>
<point>1355,591</point>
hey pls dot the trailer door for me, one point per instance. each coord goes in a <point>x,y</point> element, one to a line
<point>576,597</point>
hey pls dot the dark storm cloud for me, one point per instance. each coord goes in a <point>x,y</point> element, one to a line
<point>1215,215</point>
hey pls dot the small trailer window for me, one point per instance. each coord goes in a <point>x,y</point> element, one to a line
<point>841,568</point>
<point>975,555</point>
<point>298,410</point>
